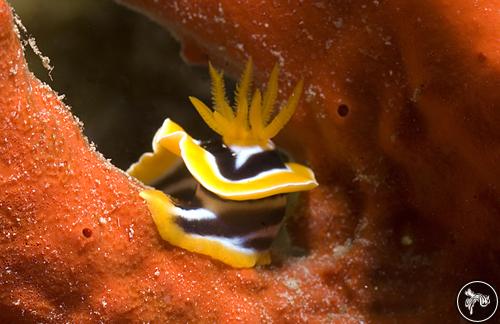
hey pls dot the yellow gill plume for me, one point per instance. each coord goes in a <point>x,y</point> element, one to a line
<point>247,125</point>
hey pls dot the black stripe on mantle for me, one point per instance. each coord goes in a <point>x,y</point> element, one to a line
<point>255,222</point>
<point>253,166</point>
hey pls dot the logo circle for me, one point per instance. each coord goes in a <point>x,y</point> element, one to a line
<point>477,301</point>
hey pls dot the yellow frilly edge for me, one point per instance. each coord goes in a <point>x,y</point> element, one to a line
<point>171,140</point>
<point>151,167</point>
<point>162,211</point>
<point>200,163</point>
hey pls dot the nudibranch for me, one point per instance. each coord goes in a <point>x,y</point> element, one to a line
<point>225,197</point>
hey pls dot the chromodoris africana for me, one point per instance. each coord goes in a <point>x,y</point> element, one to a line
<point>226,197</point>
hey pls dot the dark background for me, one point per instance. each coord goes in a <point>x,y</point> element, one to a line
<point>121,73</point>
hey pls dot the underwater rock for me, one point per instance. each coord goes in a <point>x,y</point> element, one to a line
<point>399,123</point>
